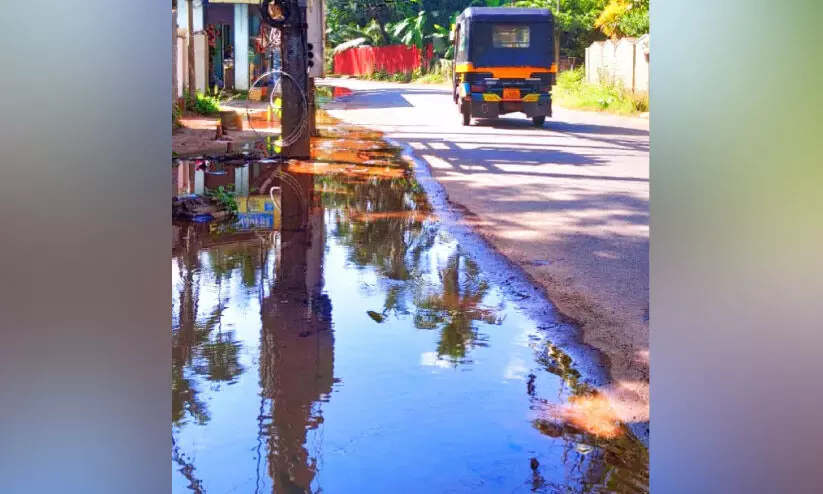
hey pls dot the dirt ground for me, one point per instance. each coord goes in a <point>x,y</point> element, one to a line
<point>198,133</point>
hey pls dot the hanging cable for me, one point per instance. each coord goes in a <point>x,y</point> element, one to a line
<point>302,124</point>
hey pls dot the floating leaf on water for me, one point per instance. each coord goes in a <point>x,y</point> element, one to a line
<point>376,316</point>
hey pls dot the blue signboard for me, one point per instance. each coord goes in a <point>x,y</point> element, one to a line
<point>254,221</point>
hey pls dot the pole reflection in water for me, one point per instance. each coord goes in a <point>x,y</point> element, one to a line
<point>297,350</point>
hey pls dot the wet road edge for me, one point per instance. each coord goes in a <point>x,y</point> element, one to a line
<point>518,286</point>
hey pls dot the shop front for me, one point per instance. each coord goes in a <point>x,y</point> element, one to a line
<point>240,46</point>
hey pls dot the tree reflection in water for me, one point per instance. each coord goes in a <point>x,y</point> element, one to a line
<point>201,350</point>
<point>455,306</point>
<point>387,225</point>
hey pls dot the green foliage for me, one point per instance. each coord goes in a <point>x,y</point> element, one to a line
<point>423,28</point>
<point>419,22</point>
<point>443,47</point>
<point>571,78</point>
<point>621,18</point>
<point>572,91</point>
<point>176,113</point>
<point>635,22</point>
<point>382,75</point>
<point>431,78</point>
<point>575,22</point>
<point>411,30</point>
<point>225,196</point>
<point>398,77</point>
<point>204,104</point>
<point>240,95</point>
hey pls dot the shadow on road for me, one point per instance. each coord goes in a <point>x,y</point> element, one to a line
<point>571,129</point>
<point>452,156</point>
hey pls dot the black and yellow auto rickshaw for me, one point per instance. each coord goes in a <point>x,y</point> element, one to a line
<point>503,62</point>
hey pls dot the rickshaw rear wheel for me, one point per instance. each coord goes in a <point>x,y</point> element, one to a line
<point>539,121</point>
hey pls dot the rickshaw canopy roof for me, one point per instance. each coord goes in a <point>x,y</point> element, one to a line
<point>510,14</point>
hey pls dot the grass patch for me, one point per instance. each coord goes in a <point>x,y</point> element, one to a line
<point>204,104</point>
<point>238,95</point>
<point>572,91</point>
<point>431,78</point>
<point>382,75</point>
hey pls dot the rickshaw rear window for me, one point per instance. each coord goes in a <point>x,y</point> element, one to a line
<point>509,36</point>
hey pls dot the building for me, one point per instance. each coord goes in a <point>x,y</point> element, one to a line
<point>232,46</point>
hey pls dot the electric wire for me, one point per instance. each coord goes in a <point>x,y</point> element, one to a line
<point>302,124</point>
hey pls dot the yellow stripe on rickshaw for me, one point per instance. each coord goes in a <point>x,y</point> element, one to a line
<point>504,72</point>
<point>529,98</point>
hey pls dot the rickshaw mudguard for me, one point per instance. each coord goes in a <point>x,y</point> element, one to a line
<point>480,108</point>
<point>540,108</point>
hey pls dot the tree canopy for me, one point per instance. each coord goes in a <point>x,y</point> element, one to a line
<point>383,22</point>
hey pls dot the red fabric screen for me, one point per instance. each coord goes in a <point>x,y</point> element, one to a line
<point>367,60</point>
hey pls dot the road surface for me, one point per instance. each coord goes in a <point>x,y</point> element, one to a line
<point>568,202</point>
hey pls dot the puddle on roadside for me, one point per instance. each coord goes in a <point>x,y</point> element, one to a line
<point>366,353</point>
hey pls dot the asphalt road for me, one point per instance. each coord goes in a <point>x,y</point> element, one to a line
<point>569,202</point>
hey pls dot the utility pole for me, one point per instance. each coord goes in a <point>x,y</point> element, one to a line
<point>316,36</point>
<point>190,12</point>
<point>296,88</point>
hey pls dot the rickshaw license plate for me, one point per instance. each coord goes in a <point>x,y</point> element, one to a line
<point>511,94</point>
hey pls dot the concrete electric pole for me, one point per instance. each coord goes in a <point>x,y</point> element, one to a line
<point>296,101</point>
<point>302,23</point>
<point>316,35</point>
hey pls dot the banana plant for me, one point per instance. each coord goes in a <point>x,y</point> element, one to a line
<point>375,33</point>
<point>345,37</point>
<point>412,32</point>
<point>442,38</point>
<point>336,35</point>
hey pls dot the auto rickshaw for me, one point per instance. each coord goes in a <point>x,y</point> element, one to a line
<point>503,63</point>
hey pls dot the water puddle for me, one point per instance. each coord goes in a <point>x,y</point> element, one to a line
<point>335,337</point>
